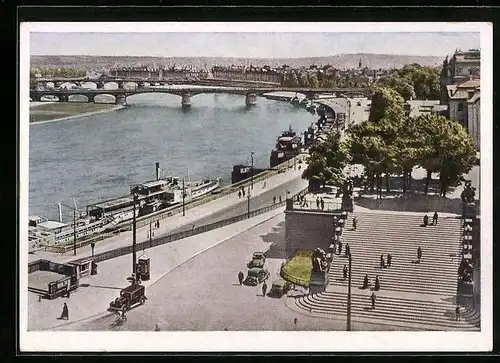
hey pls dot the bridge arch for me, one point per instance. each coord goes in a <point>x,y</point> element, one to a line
<point>105,98</point>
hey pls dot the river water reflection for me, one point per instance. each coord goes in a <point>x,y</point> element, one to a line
<point>97,157</point>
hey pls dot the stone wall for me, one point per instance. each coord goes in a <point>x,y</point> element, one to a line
<point>413,203</point>
<point>307,230</point>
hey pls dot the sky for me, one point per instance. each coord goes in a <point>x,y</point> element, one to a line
<point>250,45</point>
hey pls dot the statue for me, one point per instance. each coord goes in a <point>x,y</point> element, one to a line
<point>468,193</point>
<point>319,261</point>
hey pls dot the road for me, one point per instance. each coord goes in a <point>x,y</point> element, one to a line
<point>293,186</point>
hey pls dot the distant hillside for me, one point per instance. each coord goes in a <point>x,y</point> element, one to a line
<point>373,61</point>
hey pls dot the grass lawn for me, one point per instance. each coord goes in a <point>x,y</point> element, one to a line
<point>299,268</point>
<point>56,110</point>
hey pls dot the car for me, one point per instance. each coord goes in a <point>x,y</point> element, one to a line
<point>129,296</point>
<point>255,276</point>
<point>280,288</point>
<point>258,260</point>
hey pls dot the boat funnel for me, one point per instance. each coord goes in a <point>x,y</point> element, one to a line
<point>60,211</point>
<point>157,171</point>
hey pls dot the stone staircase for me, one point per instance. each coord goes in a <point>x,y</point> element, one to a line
<point>417,295</point>
<point>419,315</point>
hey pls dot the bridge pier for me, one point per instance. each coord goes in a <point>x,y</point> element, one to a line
<point>90,98</point>
<point>35,97</point>
<point>120,85</point>
<point>186,100</point>
<point>121,100</point>
<point>63,98</point>
<point>251,99</point>
<point>100,85</point>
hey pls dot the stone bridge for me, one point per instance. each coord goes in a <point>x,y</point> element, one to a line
<point>186,92</point>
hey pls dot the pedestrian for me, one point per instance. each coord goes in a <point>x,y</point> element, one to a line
<point>347,250</point>
<point>389,260</point>
<point>274,199</point>
<point>344,271</point>
<point>340,247</point>
<point>243,190</point>
<point>322,202</point>
<point>365,282</point>
<point>317,202</point>
<point>426,220</point>
<point>264,289</point>
<point>67,293</point>
<point>382,263</point>
<point>280,198</point>
<point>65,312</point>
<point>157,328</point>
<point>295,321</point>
<point>457,313</point>
<point>240,277</point>
<point>377,283</point>
<point>419,254</point>
<point>334,221</point>
<point>354,223</point>
<point>39,298</point>
<point>239,194</point>
<point>265,185</point>
<point>158,224</point>
<point>373,298</point>
<point>435,218</point>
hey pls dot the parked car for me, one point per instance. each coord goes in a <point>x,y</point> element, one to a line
<point>258,260</point>
<point>255,276</point>
<point>129,296</point>
<point>280,288</point>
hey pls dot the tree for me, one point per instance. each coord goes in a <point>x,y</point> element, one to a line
<point>313,81</point>
<point>291,80</point>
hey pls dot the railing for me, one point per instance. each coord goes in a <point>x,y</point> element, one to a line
<point>103,256</point>
<point>311,206</point>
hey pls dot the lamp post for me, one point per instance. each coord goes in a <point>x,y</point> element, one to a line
<point>349,296</point>
<point>248,202</point>
<point>251,175</point>
<point>74,227</point>
<point>134,235</point>
<point>183,199</point>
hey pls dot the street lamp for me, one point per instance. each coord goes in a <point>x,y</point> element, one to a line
<point>134,235</point>
<point>248,202</point>
<point>251,175</point>
<point>349,295</point>
<point>74,226</point>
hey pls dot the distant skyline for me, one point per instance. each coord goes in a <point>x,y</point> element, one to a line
<point>250,45</point>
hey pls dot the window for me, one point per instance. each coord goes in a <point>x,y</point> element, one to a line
<point>460,107</point>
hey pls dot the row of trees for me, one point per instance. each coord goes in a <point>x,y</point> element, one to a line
<point>320,80</point>
<point>57,72</point>
<point>414,81</point>
<point>391,143</point>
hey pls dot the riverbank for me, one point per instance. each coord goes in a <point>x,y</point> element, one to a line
<point>59,111</point>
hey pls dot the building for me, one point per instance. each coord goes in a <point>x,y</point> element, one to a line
<point>462,66</point>
<point>464,106</point>
<point>416,108</point>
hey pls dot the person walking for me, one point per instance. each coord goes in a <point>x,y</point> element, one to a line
<point>274,199</point>
<point>354,223</point>
<point>377,283</point>
<point>239,194</point>
<point>435,218</point>
<point>280,198</point>
<point>240,277</point>
<point>340,247</point>
<point>373,298</point>
<point>344,272</point>
<point>295,320</point>
<point>457,313</point>
<point>65,312</point>
<point>419,254</point>
<point>365,282</point>
<point>317,202</point>
<point>382,262</point>
<point>322,203</point>
<point>243,190</point>
<point>264,289</point>
<point>426,220</point>
<point>389,260</point>
<point>347,250</point>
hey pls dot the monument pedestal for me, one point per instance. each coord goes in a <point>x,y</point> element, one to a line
<point>319,281</point>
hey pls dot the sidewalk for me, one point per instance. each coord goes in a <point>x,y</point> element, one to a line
<point>192,215</point>
<point>93,297</point>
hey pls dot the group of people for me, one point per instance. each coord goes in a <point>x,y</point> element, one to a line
<point>366,283</point>
<point>241,192</point>
<point>320,203</point>
<point>434,220</point>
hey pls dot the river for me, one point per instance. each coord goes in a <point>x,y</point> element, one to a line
<point>97,157</point>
